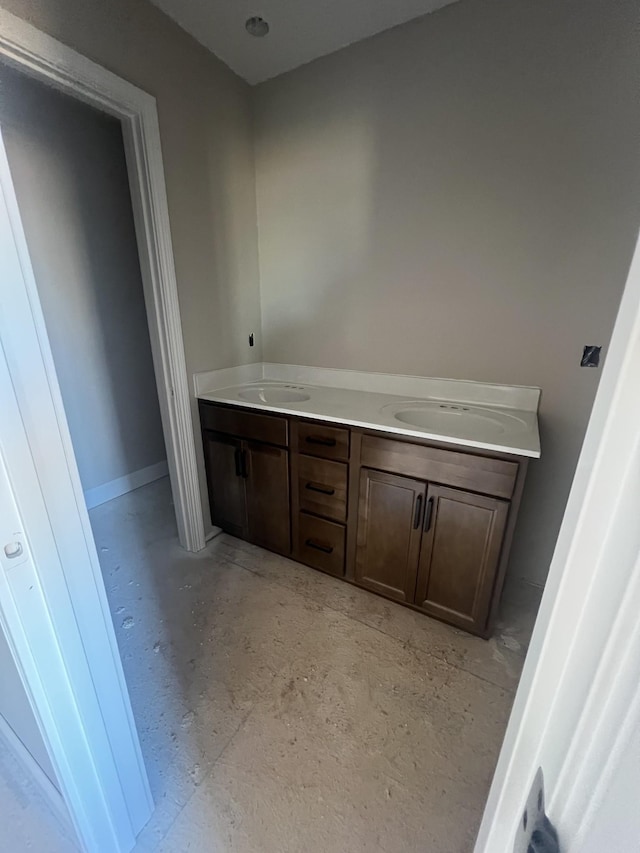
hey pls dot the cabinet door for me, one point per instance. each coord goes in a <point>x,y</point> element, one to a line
<point>459,555</point>
<point>225,484</point>
<point>266,470</point>
<point>389,531</point>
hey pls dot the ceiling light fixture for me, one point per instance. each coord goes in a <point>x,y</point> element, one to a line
<point>256,26</point>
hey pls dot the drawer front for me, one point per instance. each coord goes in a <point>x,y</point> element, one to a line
<point>318,439</point>
<point>482,474</point>
<point>252,425</point>
<point>321,544</point>
<point>322,487</point>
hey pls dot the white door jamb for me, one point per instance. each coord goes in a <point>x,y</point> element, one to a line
<point>41,56</point>
<point>53,605</point>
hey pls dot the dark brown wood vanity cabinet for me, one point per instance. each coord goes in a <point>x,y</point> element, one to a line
<point>434,527</point>
<point>421,523</point>
<point>248,478</point>
<point>431,546</point>
<point>319,489</point>
<point>459,554</point>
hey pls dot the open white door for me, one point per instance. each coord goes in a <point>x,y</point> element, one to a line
<point>53,605</point>
<point>577,709</point>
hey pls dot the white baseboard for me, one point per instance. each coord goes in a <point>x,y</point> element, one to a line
<point>50,794</point>
<point>122,485</point>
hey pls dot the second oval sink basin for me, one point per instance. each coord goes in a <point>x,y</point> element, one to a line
<point>274,394</point>
<point>470,422</point>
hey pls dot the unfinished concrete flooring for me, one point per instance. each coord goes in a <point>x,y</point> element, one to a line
<point>283,711</point>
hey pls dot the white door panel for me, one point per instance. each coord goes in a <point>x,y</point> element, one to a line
<point>63,573</point>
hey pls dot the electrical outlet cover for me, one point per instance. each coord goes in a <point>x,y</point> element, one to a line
<point>590,356</point>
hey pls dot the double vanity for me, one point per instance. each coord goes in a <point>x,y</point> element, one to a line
<point>412,496</point>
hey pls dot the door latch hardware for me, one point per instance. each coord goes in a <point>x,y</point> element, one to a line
<point>536,833</point>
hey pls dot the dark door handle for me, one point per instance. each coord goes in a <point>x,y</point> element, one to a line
<point>325,442</point>
<point>245,467</point>
<point>326,549</point>
<point>418,513</point>
<point>427,515</point>
<point>324,490</point>
<point>238,461</point>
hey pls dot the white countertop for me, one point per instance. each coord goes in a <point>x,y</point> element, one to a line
<point>467,422</point>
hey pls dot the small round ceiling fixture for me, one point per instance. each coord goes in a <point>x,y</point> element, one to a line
<point>256,26</point>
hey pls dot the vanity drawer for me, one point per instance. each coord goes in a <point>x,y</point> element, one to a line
<point>321,544</point>
<point>322,487</point>
<point>320,440</point>
<point>485,474</point>
<point>270,429</point>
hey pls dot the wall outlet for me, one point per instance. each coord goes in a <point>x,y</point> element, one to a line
<point>535,834</point>
<point>590,356</point>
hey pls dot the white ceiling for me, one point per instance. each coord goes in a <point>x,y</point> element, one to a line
<point>301,30</point>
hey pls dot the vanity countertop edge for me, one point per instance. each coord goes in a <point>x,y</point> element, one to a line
<point>370,410</point>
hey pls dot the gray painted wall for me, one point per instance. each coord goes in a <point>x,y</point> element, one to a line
<point>16,709</point>
<point>205,129</point>
<point>68,167</point>
<point>460,197</point>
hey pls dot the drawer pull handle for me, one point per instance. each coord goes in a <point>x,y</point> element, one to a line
<point>427,515</point>
<point>418,514</point>
<point>324,490</point>
<point>326,549</point>
<point>324,442</point>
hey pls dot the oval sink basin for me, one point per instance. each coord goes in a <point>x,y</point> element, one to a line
<point>274,394</point>
<point>456,419</point>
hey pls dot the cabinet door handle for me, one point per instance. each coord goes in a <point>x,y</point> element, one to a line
<point>245,467</point>
<point>326,549</point>
<point>324,490</point>
<point>238,460</point>
<point>418,513</point>
<point>325,442</point>
<point>427,515</point>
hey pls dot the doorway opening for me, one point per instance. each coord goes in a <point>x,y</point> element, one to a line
<point>47,61</point>
<point>85,169</point>
<point>69,171</point>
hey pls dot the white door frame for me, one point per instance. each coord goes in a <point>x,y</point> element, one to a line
<point>108,804</point>
<point>53,606</point>
<point>41,56</point>
<point>579,696</point>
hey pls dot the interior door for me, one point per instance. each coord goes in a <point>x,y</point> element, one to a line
<point>227,499</point>
<point>389,532</point>
<point>266,469</point>
<point>53,604</point>
<point>460,548</point>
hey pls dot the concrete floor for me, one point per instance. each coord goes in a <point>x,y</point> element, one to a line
<point>281,710</point>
